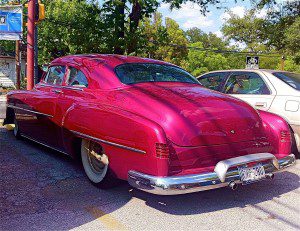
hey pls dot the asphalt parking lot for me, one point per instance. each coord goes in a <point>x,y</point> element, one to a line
<point>41,189</point>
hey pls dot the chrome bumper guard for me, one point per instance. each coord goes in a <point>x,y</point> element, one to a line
<point>225,172</point>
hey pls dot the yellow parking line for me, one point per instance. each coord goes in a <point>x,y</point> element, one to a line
<point>107,220</point>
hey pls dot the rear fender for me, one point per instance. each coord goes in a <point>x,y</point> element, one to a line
<point>278,133</point>
<point>117,126</point>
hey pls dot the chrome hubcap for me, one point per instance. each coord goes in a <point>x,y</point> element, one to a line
<point>97,158</point>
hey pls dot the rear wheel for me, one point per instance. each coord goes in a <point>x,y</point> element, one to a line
<point>96,164</point>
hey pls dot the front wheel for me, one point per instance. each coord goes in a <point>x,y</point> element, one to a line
<point>96,164</point>
<point>16,130</point>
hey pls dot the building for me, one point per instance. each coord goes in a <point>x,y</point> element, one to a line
<point>8,71</point>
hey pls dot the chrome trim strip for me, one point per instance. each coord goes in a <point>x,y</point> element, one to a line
<point>27,137</point>
<point>74,88</point>
<point>108,142</point>
<point>174,185</point>
<point>59,86</point>
<point>23,109</point>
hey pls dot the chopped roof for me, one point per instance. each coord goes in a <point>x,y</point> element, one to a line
<point>109,59</point>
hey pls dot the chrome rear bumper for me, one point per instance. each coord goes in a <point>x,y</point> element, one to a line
<point>221,177</point>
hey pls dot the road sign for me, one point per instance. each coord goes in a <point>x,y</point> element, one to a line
<point>252,62</point>
<point>11,22</point>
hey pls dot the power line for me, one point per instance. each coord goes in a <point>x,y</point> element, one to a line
<point>269,54</point>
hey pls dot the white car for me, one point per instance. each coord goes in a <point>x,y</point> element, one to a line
<point>269,90</point>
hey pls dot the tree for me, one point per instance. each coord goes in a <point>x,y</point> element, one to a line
<point>127,15</point>
<point>292,40</point>
<point>200,61</point>
<point>209,40</point>
<point>166,43</point>
<point>247,30</point>
<point>71,27</point>
<point>277,32</point>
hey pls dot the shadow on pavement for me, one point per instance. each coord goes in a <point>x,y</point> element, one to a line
<point>43,189</point>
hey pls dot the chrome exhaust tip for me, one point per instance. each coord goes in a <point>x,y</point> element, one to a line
<point>233,185</point>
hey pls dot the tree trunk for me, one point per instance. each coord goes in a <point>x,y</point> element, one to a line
<point>135,17</point>
<point>119,47</point>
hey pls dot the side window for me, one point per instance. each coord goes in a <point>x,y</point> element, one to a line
<point>55,75</point>
<point>213,80</point>
<point>76,78</point>
<point>246,83</point>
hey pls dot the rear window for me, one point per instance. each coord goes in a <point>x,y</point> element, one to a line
<point>292,79</point>
<point>131,73</point>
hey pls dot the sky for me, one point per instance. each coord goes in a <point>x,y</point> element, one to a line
<point>190,16</point>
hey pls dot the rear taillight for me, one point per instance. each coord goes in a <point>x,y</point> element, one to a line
<point>162,150</point>
<point>285,136</point>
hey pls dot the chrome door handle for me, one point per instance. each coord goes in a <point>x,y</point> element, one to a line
<point>57,91</point>
<point>260,104</point>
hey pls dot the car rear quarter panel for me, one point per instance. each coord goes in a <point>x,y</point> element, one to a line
<point>121,127</point>
<point>274,125</point>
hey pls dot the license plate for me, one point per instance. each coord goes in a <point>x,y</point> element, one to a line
<point>251,174</point>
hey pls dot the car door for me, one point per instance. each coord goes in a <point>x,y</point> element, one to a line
<point>250,87</point>
<point>44,101</point>
<point>73,91</point>
<point>214,81</point>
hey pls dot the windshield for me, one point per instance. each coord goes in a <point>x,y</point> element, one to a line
<point>292,79</point>
<point>131,73</point>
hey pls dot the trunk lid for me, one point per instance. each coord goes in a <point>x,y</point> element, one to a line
<point>192,115</point>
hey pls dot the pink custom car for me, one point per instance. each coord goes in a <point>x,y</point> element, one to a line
<point>151,123</point>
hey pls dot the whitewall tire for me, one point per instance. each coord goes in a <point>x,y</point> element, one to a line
<point>16,130</point>
<point>96,164</point>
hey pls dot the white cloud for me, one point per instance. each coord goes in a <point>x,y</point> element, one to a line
<point>188,15</point>
<point>219,33</point>
<point>239,11</point>
<point>262,13</point>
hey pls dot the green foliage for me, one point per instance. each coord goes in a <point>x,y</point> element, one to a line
<point>209,40</point>
<point>292,40</point>
<point>200,62</point>
<point>290,65</point>
<point>247,30</point>
<point>159,40</point>
<point>70,27</point>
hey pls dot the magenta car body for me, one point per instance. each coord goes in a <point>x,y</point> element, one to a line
<point>161,130</point>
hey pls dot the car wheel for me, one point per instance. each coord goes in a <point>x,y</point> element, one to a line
<point>16,129</point>
<point>294,146</point>
<point>96,164</point>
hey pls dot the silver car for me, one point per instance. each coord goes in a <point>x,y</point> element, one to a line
<point>270,90</point>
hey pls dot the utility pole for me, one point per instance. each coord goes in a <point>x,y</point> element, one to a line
<point>36,65</point>
<point>282,63</point>
<point>18,64</point>
<point>18,61</point>
<point>30,44</point>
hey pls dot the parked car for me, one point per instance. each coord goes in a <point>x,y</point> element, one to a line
<point>151,123</point>
<point>269,90</point>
